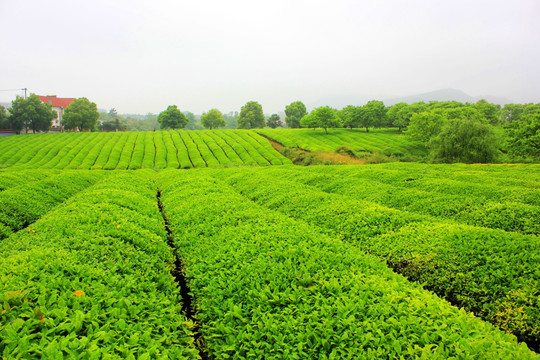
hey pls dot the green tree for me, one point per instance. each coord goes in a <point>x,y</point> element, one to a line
<point>376,111</point>
<point>31,114</point>
<point>398,115</point>
<point>251,116</point>
<point>465,140</point>
<point>113,114</point>
<point>324,117</point>
<point>294,112</point>
<point>4,119</point>
<point>490,111</point>
<point>273,121</point>
<point>373,114</point>
<point>351,116</point>
<point>523,136</point>
<point>113,125</point>
<point>213,119</point>
<point>172,118</point>
<point>81,114</point>
<point>511,113</point>
<point>425,125</point>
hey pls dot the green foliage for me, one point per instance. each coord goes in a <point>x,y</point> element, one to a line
<point>155,150</point>
<point>387,142</point>
<point>455,134</point>
<point>322,117</point>
<point>464,140</point>
<point>21,206</point>
<point>511,113</point>
<point>273,121</point>
<point>213,119</point>
<point>397,115</point>
<point>104,288</point>
<point>12,179</point>
<point>373,114</point>
<point>4,119</point>
<point>251,116</point>
<point>489,272</point>
<point>172,118</point>
<point>351,116</point>
<point>81,114</point>
<point>425,125</point>
<point>523,135</point>
<point>294,112</point>
<point>259,276</point>
<point>490,111</point>
<point>281,262</point>
<point>113,125</point>
<point>30,114</point>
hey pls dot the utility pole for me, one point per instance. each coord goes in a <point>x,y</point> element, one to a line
<point>25,89</point>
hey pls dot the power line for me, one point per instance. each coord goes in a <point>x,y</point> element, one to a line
<point>23,89</point>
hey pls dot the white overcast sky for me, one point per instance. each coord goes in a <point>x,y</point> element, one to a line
<point>141,56</point>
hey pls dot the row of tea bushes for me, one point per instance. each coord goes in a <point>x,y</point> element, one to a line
<point>490,272</point>
<point>469,208</point>
<point>22,205</point>
<point>92,280</point>
<point>267,286</point>
<point>11,179</point>
<point>153,150</point>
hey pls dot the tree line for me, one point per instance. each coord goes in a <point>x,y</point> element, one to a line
<point>32,114</point>
<point>450,130</point>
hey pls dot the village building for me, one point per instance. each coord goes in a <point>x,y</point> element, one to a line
<point>59,105</point>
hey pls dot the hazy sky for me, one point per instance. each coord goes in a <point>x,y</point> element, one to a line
<point>141,56</point>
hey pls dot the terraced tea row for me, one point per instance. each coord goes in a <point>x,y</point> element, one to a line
<point>385,141</point>
<point>276,269</point>
<point>490,272</point>
<point>156,150</point>
<point>92,280</point>
<point>22,205</point>
<point>479,199</point>
<point>268,286</point>
<point>13,179</point>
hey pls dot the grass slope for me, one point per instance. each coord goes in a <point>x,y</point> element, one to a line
<point>387,142</point>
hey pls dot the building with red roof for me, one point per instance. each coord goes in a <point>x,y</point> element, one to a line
<point>58,104</point>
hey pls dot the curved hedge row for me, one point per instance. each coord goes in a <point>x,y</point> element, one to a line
<point>267,286</point>
<point>154,150</point>
<point>507,208</point>
<point>11,179</point>
<point>490,272</point>
<point>22,205</point>
<point>92,280</point>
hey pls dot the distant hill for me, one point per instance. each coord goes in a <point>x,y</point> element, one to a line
<point>446,95</point>
<point>340,101</point>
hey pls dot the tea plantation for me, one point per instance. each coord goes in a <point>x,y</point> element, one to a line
<point>231,260</point>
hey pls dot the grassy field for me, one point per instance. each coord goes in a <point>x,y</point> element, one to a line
<point>397,260</point>
<point>362,144</point>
